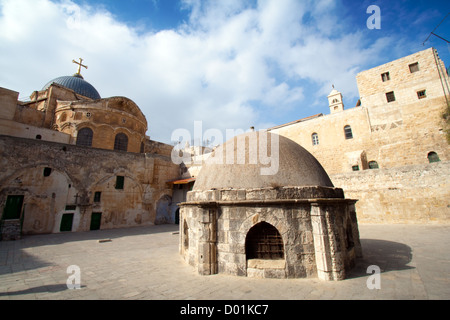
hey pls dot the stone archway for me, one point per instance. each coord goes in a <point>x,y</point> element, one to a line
<point>264,252</point>
<point>263,241</point>
<point>163,210</point>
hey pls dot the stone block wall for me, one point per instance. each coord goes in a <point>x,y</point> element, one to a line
<point>75,175</point>
<point>315,225</point>
<point>407,194</point>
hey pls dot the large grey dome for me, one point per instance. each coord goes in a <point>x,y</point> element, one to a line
<point>77,84</point>
<point>294,165</point>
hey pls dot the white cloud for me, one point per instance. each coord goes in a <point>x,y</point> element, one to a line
<point>229,65</point>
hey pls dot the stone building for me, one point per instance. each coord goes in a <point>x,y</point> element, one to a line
<point>243,218</point>
<point>390,151</point>
<point>73,161</point>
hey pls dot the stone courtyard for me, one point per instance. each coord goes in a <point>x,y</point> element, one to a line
<point>143,263</point>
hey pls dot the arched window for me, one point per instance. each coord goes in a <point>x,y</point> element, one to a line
<point>84,138</point>
<point>373,165</point>
<point>186,235</point>
<point>433,157</point>
<point>263,241</point>
<point>315,139</point>
<point>121,142</point>
<point>348,132</point>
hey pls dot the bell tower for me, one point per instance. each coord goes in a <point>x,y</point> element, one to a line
<point>335,101</point>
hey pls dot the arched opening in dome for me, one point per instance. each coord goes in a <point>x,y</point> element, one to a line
<point>264,242</point>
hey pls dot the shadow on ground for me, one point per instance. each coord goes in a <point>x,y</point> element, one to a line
<point>41,289</point>
<point>387,255</point>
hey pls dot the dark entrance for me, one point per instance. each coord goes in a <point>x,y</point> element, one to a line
<point>177,216</point>
<point>66,222</point>
<point>263,241</point>
<point>13,208</point>
<point>96,220</point>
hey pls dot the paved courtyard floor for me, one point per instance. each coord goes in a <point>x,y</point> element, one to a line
<point>143,263</point>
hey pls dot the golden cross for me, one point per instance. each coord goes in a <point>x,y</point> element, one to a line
<point>79,65</point>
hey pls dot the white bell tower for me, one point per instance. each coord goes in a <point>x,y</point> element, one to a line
<point>335,101</point>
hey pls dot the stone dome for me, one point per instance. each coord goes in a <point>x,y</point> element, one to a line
<point>289,165</point>
<point>77,84</point>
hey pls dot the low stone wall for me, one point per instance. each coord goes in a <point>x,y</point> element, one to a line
<point>10,230</point>
<point>408,194</point>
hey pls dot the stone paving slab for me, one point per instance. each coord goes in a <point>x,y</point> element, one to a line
<point>143,264</point>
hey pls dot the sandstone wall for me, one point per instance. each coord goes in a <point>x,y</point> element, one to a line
<point>76,175</point>
<point>407,194</point>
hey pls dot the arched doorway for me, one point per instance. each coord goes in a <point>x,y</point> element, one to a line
<point>263,241</point>
<point>163,210</point>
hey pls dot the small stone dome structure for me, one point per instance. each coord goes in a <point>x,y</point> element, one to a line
<point>263,206</point>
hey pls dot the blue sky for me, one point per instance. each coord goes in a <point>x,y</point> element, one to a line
<point>231,64</point>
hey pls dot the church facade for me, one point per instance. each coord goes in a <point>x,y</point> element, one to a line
<point>73,161</point>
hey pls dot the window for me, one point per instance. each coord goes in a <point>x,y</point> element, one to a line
<point>422,94</point>
<point>335,101</point>
<point>373,165</point>
<point>414,67</point>
<point>355,168</point>
<point>84,138</point>
<point>186,235</point>
<point>71,208</point>
<point>120,181</point>
<point>348,132</point>
<point>47,172</point>
<point>38,137</point>
<point>315,139</point>
<point>97,196</point>
<point>121,142</point>
<point>390,96</point>
<point>385,77</point>
<point>433,157</point>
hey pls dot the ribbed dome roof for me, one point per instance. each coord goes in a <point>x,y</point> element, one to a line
<point>77,84</point>
<point>289,165</point>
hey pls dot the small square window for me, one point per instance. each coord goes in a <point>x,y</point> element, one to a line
<point>355,168</point>
<point>385,77</point>
<point>414,67</point>
<point>47,172</point>
<point>422,94</point>
<point>120,180</point>
<point>390,96</point>
<point>97,196</point>
<point>348,132</point>
<point>315,139</point>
